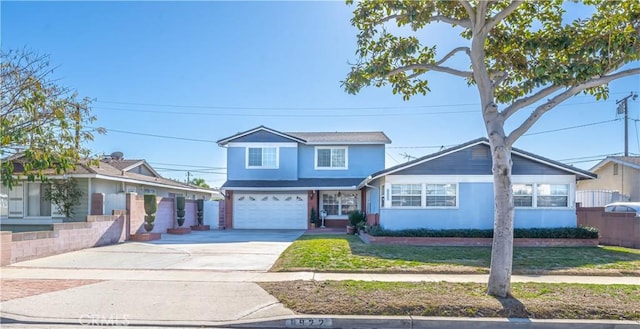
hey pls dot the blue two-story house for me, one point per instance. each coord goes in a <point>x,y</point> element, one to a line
<point>275,179</point>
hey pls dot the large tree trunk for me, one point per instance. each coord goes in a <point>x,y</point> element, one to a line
<point>502,249</point>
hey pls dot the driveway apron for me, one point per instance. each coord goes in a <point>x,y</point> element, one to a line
<point>226,250</point>
<point>133,300</point>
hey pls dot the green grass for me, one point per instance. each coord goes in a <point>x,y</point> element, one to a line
<point>332,253</point>
<point>528,300</point>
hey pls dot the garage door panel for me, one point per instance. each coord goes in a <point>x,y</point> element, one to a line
<point>270,211</point>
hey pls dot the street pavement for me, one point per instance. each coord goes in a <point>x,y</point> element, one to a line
<point>205,279</point>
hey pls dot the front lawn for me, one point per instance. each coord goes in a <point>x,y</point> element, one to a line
<point>343,253</point>
<point>529,300</point>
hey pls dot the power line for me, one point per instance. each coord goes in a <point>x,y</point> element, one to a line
<point>572,127</point>
<point>217,107</point>
<point>184,165</point>
<point>319,115</point>
<point>283,108</point>
<point>159,136</point>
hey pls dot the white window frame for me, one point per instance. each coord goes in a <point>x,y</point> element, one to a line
<point>568,196</point>
<point>455,185</point>
<point>246,162</point>
<point>394,196</point>
<point>533,195</point>
<point>346,157</point>
<point>358,196</point>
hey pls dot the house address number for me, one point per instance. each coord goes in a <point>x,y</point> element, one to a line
<point>308,323</point>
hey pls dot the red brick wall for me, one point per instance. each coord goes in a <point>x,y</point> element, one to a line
<point>228,211</point>
<point>615,229</point>
<point>312,203</point>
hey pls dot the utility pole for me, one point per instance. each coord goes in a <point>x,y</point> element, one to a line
<point>77,126</point>
<point>188,177</point>
<point>623,107</point>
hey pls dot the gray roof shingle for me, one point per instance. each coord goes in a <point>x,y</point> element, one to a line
<point>300,184</point>
<point>348,137</point>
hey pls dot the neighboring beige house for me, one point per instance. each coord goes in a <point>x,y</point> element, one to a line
<point>113,176</point>
<point>618,176</point>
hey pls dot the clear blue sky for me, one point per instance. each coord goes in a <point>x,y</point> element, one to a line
<point>206,70</point>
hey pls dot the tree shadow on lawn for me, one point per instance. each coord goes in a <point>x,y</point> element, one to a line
<point>529,260</point>
<point>512,307</point>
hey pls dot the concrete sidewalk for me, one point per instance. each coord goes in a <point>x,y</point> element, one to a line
<point>17,272</point>
<point>225,299</point>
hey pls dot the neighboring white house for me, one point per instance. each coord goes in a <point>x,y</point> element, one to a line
<point>113,176</point>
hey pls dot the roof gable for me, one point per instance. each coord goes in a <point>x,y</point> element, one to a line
<point>260,134</point>
<point>629,161</point>
<point>467,159</point>
<point>263,134</point>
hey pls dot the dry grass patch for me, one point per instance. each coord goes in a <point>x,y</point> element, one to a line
<point>530,300</point>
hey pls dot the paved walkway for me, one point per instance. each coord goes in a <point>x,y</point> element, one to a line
<point>17,272</point>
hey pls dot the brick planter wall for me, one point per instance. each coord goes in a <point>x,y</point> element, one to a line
<point>475,242</point>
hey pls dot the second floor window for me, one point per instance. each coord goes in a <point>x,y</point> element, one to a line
<point>331,158</point>
<point>262,157</point>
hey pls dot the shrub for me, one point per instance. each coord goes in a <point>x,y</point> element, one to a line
<point>535,233</point>
<point>356,218</point>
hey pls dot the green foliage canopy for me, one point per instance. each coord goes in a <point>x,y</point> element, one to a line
<point>43,124</point>
<point>519,52</point>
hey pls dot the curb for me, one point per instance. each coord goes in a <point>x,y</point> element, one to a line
<point>342,322</point>
<point>419,322</point>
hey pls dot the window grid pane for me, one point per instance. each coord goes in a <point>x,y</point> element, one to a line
<point>338,158</point>
<point>255,157</point>
<point>330,204</point>
<point>406,195</point>
<point>441,195</point>
<point>523,195</point>
<point>324,158</point>
<point>553,195</point>
<point>269,157</point>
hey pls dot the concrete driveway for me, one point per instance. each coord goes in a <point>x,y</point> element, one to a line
<point>228,250</point>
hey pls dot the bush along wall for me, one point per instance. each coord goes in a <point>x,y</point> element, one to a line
<point>531,233</point>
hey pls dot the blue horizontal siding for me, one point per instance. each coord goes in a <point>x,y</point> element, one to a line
<point>236,166</point>
<point>363,160</point>
<point>475,211</point>
<point>463,162</point>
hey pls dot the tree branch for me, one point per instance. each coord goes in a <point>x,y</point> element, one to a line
<point>449,20</point>
<point>492,22</point>
<point>523,102</point>
<point>470,11</point>
<point>540,110</point>
<point>467,50</point>
<point>430,67</point>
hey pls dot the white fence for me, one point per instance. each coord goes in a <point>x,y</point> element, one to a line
<point>211,209</point>
<point>598,198</point>
<point>114,201</point>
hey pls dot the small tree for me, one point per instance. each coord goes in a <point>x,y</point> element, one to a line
<point>150,208</point>
<point>180,202</point>
<point>200,211</point>
<point>64,194</point>
<point>313,217</point>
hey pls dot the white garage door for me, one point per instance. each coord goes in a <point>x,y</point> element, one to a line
<point>270,211</point>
